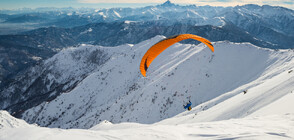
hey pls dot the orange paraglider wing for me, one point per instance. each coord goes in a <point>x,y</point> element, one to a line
<point>159,47</point>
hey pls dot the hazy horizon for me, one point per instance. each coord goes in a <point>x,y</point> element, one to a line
<point>33,4</point>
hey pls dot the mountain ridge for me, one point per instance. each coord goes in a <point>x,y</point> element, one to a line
<point>87,103</point>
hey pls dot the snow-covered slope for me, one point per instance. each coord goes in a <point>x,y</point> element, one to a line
<point>271,94</point>
<point>116,91</point>
<point>61,73</point>
<point>7,121</point>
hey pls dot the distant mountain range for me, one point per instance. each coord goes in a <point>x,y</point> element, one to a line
<point>277,18</point>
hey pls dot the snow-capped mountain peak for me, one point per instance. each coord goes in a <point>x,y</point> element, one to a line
<point>168,4</point>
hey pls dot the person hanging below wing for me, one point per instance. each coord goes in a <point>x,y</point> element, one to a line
<point>188,106</point>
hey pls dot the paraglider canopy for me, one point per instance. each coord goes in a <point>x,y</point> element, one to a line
<point>160,46</point>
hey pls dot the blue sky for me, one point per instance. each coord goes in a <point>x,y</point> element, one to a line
<point>14,4</point>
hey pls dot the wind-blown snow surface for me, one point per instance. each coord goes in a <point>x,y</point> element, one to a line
<point>214,82</point>
<point>268,127</point>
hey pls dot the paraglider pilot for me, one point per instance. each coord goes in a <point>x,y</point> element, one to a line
<point>188,106</point>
